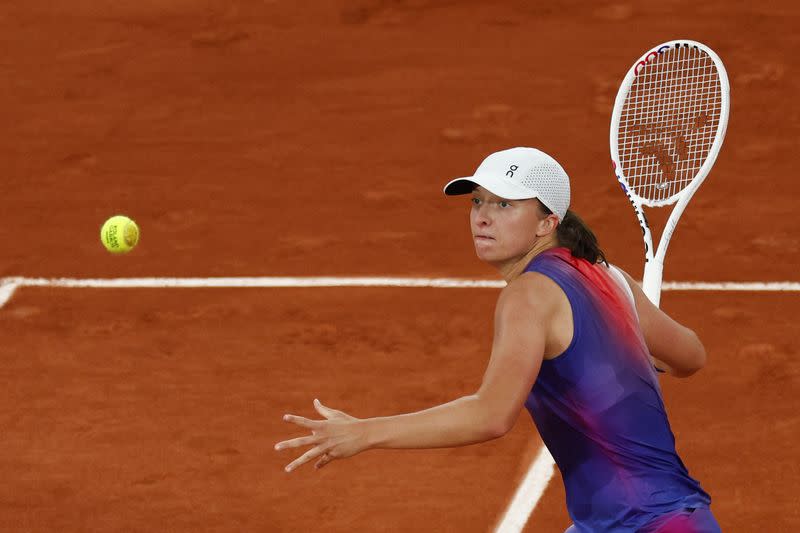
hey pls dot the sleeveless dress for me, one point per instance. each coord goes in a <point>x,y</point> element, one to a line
<point>599,410</point>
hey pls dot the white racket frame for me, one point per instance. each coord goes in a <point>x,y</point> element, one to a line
<point>654,262</point>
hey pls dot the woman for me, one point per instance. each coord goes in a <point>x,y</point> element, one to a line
<point>576,342</point>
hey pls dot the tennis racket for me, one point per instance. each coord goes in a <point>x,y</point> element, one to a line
<point>667,128</point>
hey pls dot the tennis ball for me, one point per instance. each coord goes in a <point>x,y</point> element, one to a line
<point>119,234</point>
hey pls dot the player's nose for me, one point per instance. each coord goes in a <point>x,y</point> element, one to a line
<point>482,216</point>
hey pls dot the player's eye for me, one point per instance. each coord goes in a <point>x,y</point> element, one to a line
<point>476,201</point>
<point>503,204</point>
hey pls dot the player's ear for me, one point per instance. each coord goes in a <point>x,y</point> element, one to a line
<point>547,225</point>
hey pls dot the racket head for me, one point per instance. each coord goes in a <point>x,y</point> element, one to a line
<point>669,121</point>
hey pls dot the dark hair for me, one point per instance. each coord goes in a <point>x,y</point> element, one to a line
<point>573,233</point>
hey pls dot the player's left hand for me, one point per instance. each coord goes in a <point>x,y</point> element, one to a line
<point>338,436</point>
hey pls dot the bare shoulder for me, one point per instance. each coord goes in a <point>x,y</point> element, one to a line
<point>641,300</point>
<point>533,291</point>
<point>631,282</point>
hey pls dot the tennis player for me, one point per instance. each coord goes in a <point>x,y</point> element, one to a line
<point>577,343</point>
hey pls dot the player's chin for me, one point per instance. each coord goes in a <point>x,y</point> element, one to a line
<point>488,254</point>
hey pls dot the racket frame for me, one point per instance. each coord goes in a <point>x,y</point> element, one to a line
<point>654,259</point>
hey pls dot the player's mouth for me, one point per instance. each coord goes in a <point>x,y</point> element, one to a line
<point>483,238</point>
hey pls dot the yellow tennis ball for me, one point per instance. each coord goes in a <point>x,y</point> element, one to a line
<point>119,234</point>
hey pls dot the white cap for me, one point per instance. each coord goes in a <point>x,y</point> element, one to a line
<point>519,174</point>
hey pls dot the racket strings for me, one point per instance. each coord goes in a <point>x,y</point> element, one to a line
<point>669,120</point>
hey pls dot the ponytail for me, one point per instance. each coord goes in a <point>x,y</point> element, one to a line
<point>573,233</point>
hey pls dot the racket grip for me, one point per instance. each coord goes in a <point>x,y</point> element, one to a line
<point>651,282</point>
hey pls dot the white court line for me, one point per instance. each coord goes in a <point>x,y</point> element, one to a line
<point>7,289</point>
<point>256,282</point>
<point>528,493</point>
<point>331,281</point>
<point>9,285</point>
<point>756,286</point>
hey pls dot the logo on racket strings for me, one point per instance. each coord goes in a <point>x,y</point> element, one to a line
<point>668,142</point>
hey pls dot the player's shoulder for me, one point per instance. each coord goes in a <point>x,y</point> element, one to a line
<point>616,268</point>
<point>532,290</point>
<point>631,285</point>
<point>531,282</point>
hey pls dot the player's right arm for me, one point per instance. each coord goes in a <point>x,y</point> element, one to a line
<point>520,331</point>
<point>521,321</point>
<point>676,348</point>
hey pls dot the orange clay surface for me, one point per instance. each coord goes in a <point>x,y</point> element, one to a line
<point>281,138</point>
<point>144,410</point>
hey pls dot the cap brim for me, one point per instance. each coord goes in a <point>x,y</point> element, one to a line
<point>497,186</point>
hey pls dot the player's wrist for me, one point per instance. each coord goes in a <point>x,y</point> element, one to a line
<point>370,431</point>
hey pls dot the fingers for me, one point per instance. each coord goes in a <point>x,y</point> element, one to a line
<point>327,412</point>
<point>296,443</point>
<point>306,457</point>
<point>325,459</point>
<point>317,427</point>
<point>301,421</point>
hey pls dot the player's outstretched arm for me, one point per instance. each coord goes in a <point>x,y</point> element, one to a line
<point>517,350</point>
<point>676,348</point>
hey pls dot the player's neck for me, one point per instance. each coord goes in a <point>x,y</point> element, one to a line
<point>512,269</point>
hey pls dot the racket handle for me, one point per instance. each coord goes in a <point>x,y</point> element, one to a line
<point>651,282</point>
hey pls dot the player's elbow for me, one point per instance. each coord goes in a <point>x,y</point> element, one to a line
<point>494,422</point>
<point>494,430</point>
<point>500,423</point>
<point>499,428</point>
<point>694,358</point>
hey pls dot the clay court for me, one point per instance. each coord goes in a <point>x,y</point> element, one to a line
<point>275,139</point>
